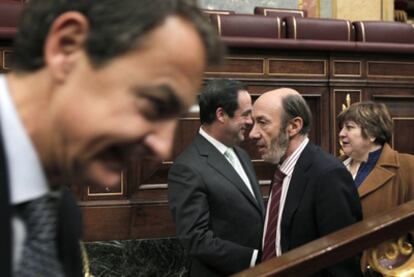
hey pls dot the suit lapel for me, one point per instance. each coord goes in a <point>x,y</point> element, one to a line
<point>297,187</point>
<point>217,161</point>
<point>381,174</point>
<point>253,180</point>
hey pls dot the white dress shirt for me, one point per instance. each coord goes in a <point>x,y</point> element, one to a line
<point>347,164</point>
<point>287,168</point>
<point>27,180</point>
<point>239,169</point>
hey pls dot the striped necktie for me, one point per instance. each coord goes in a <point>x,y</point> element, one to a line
<point>269,247</point>
<point>39,256</point>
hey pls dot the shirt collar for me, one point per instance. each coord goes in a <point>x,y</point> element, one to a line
<point>347,162</point>
<point>27,180</point>
<point>288,165</point>
<point>220,146</point>
<point>374,156</point>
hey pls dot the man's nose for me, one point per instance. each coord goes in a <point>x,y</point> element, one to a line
<point>161,140</point>
<point>249,120</point>
<point>254,134</point>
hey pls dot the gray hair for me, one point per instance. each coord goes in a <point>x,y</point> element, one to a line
<point>295,106</point>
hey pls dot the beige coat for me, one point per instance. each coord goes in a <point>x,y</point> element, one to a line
<point>389,184</point>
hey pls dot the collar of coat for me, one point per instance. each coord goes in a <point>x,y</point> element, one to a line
<point>383,171</point>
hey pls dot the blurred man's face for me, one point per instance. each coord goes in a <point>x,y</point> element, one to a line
<point>272,139</point>
<point>101,118</point>
<point>241,121</point>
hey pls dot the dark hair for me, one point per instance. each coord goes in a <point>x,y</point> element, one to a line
<point>373,118</point>
<point>295,106</point>
<point>116,26</point>
<point>219,93</point>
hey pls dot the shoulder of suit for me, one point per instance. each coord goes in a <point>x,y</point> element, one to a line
<point>190,152</point>
<point>241,150</point>
<point>324,160</point>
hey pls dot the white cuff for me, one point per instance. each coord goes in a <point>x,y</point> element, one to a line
<point>254,258</point>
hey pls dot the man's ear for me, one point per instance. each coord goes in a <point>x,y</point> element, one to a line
<point>220,114</point>
<point>66,38</point>
<point>295,125</point>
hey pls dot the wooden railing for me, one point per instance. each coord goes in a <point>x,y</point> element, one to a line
<point>337,246</point>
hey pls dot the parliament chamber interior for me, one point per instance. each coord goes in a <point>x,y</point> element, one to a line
<point>334,53</point>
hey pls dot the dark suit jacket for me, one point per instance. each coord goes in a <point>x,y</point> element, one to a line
<point>218,220</point>
<point>69,227</point>
<point>321,199</point>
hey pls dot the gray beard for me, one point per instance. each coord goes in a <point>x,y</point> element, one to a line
<point>278,147</point>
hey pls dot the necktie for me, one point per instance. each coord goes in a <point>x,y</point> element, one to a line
<point>39,255</point>
<point>269,247</point>
<point>230,157</point>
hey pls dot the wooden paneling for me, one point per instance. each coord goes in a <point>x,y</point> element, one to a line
<point>117,220</point>
<point>314,102</point>
<point>5,59</point>
<point>400,103</point>
<point>390,69</point>
<point>186,131</point>
<point>239,66</point>
<point>1,61</point>
<point>347,68</point>
<point>116,190</point>
<point>103,222</point>
<point>403,142</point>
<point>7,56</point>
<point>297,67</point>
<point>401,107</point>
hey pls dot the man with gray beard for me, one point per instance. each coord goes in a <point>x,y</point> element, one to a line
<point>312,193</point>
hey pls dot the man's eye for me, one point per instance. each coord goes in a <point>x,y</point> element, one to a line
<point>150,114</point>
<point>147,110</point>
<point>158,103</point>
<point>157,110</point>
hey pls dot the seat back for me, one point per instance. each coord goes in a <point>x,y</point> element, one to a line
<point>9,17</point>
<point>384,31</point>
<point>245,25</point>
<point>319,29</point>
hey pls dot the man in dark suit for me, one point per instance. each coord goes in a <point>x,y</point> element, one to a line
<point>313,194</point>
<point>94,83</point>
<point>213,193</point>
